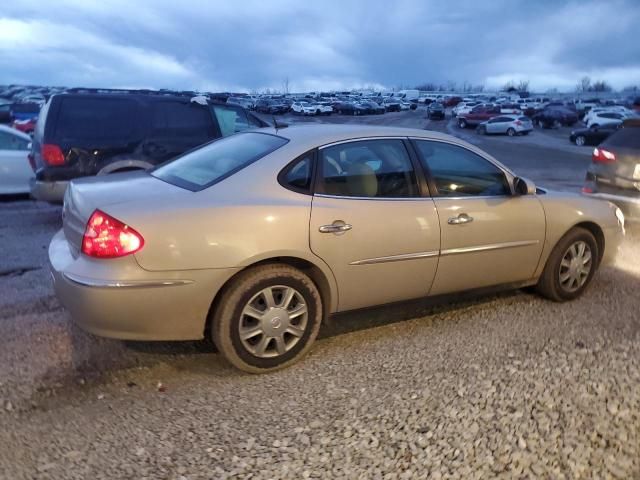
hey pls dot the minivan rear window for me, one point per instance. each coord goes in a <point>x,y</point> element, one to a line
<point>211,163</point>
<point>96,119</point>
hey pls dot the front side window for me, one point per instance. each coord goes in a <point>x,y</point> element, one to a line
<point>458,172</point>
<point>216,161</point>
<point>368,168</point>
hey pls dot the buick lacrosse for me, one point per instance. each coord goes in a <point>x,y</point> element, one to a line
<point>256,238</point>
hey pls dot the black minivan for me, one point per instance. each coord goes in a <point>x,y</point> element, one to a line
<point>82,134</point>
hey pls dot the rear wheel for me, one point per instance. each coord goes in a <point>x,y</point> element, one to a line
<point>511,132</point>
<point>580,140</point>
<point>462,123</point>
<point>570,267</point>
<point>557,124</point>
<point>482,130</point>
<point>267,318</point>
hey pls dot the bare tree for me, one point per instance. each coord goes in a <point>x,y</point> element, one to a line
<point>601,86</point>
<point>478,89</point>
<point>509,86</point>
<point>631,88</point>
<point>523,86</point>
<point>584,85</point>
<point>285,86</point>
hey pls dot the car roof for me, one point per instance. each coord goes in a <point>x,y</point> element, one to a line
<point>15,132</point>
<point>311,136</point>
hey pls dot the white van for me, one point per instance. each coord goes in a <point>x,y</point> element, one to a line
<point>409,95</point>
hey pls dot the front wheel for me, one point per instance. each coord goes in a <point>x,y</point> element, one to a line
<point>511,132</point>
<point>570,267</point>
<point>580,140</point>
<point>462,123</point>
<point>267,318</point>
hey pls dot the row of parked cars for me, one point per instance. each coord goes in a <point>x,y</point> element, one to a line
<point>343,105</point>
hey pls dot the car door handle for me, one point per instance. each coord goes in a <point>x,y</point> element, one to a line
<point>460,219</point>
<point>335,228</point>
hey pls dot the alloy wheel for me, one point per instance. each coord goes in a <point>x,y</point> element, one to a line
<point>580,140</point>
<point>575,266</point>
<point>273,321</point>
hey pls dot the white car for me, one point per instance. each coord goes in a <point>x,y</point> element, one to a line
<point>605,118</point>
<point>15,171</point>
<point>304,108</point>
<point>627,113</point>
<point>464,107</point>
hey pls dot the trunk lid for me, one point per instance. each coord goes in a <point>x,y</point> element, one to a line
<point>86,195</point>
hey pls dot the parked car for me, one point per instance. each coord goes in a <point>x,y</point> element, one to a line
<point>373,108</point>
<point>285,245</point>
<point>464,107</point>
<point>614,173</point>
<point>24,111</point>
<point>303,108</point>
<point>85,134</point>
<point>5,113</point>
<point>592,136</point>
<point>25,126</point>
<point>271,107</point>
<point>511,125</point>
<point>435,110</point>
<point>594,112</point>
<point>477,115</point>
<point>452,101</point>
<point>15,172</point>
<point>555,117</point>
<point>605,118</point>
<point>392,104</point>
<point>349,108</point>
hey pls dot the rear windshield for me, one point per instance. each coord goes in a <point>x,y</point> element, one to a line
<point>627,137</point>
<point>207,165</point>
<point>96,118</point>
<point>25,108</point>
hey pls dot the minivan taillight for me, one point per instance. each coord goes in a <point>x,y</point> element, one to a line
<point>107,237</point>
<point>600,155</point>
<point>52,155</point>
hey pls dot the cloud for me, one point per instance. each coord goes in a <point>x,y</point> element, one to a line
<point>253,44</point>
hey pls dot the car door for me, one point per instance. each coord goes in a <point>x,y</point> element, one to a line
<point>496,125</point>
<point>488,235</point>
<point>15,171</point>
<point>371,225</point>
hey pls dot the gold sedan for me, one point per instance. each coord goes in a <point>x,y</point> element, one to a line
<point>258,237</point>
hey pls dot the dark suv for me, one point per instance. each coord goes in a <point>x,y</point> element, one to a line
<point>614,173</point>
<point>82,134</point>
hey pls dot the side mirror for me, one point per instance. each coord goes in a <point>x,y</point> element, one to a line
<point>524,186</point>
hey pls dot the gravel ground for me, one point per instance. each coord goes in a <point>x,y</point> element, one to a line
<point>501,386</point>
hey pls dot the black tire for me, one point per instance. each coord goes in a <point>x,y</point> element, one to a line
<point>227,316</point>
<point>511,132</point>
<point>462,123</point>
<point>580,140</point>
<point>549,285</point>
<point>482,130</point>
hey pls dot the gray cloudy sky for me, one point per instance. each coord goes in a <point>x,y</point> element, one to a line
<point>318,45</point>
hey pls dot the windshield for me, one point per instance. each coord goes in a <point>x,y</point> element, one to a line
<point>207,165</point>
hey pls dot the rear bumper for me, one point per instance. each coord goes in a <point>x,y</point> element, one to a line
<point>52,192</point>
<point>118,299</point>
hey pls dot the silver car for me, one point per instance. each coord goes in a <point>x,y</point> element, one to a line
<point>511,125</point>
<point>255,239</point>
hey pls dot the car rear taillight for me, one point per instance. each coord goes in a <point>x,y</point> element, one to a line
<point>52,155</point>
<point>107,237</point>
<point>518,122</point>
<point>600,155</point>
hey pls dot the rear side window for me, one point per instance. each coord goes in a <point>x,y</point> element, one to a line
<point>626,137</point>
<point>201,168</point>
<point>96,118</point>
<point>186,120</point>
<point>12,142</point>
<point>299,174</point>
<point>367,168</point>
